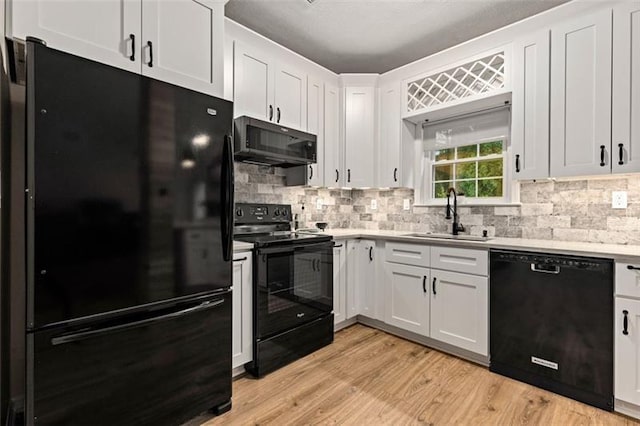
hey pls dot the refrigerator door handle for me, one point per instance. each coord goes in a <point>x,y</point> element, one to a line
<point>227,188</point>
<point>76,337</point>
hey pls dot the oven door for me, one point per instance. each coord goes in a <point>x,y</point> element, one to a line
<point>293,285</point>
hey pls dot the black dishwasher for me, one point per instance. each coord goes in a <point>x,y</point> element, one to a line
<point>551,323</point>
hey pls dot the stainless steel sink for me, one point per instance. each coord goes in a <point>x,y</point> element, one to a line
<point>436,236</point>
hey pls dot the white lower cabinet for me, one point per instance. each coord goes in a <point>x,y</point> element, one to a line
<point>361,278</point>
<point>460,310</point>
<point>407,297</point>
<point>339,282</point>
<point>242,320</point>
<point>627,360</point>
<point>627,339</point>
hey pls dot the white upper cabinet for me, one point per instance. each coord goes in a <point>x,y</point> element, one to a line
<point>253,76</point>
<point>389,142</point>
<point>626,88</point>
<point>359,136</point>
<point>581,96</point>
<point>104,31</point>
<point>268,90</point>
<point>315,125</point>
<point>182,43</point>
<point>333,172</point>
<point>530,107</point>
<point>290,97</point>
<point>177,41</point>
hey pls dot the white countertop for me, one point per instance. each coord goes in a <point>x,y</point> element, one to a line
<point>241,246</point>
<point>619,252</point>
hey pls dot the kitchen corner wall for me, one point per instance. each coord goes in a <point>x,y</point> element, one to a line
<point>567,210</point>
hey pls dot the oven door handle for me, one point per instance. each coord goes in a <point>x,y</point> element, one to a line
<point>295,248</point>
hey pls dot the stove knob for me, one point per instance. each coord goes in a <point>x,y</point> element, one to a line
<point>276,212</point>
<point>239,213</point>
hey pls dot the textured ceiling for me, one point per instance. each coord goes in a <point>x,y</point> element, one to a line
<point>375,36</point>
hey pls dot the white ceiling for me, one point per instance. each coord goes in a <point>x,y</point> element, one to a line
<point>375,36</point>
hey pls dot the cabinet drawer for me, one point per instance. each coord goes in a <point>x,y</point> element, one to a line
<point>408,254</point>
<point>455,259</point>
<point>628,279</point>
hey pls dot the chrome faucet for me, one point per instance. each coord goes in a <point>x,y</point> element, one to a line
<point>457,227</point>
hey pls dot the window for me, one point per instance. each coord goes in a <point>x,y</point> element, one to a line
<point>467,153</point>
<point>475,170</point>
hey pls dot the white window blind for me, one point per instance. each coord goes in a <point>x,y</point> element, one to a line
<point>467,130</point>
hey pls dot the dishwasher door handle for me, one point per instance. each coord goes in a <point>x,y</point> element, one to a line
<point>535,267</point>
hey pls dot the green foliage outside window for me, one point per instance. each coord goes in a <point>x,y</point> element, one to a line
<point>475,170</point>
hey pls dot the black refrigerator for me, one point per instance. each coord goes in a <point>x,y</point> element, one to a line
<point>127,245</point>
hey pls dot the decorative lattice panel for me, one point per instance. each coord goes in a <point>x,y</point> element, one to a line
<point>473,78</point>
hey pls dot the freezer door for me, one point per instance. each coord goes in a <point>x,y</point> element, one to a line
<point>162,369</point>
<point>131,187</point>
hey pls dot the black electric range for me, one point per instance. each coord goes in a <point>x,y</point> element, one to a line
<point>292,286</point>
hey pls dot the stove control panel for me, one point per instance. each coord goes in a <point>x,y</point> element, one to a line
<point>262,213</point>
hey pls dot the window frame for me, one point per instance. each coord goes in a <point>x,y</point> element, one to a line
<point>425,194</point>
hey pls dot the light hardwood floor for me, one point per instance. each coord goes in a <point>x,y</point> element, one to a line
<point>368,377</point>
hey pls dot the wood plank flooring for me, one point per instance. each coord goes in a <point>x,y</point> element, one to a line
<point>368,377</point>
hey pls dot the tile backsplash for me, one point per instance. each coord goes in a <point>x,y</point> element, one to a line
<point>568,210</point>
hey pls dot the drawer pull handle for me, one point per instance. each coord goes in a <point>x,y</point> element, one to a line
<point>625,323</point>
<point>337,246</point>
<point>242,259</point>
<point>620,154</point>
<point>150,45</point>
<point>633,268</point>
<point>433,286</point>
<point>602,163</point>
<point>424,284</point>
<point>371,254</point>
<point>132,37</point>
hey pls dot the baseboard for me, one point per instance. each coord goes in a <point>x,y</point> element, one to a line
<point>425,341</point>
<point>627,409</point>
<point>345,324</point>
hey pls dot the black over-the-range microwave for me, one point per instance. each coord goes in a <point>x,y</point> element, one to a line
<point>262,142</point>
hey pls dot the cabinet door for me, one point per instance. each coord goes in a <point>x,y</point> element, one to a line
<point>290,97</point>
<point>104,31</point>
<point>315,125</point>
<point>530,107</point>
<point>389,145</point>
<point>354,298</point>
<point>407,298</point>
<point>359,137</point>
<point>252,83</point>
<point>581,101</point>
<point>366,279</point>
<point>333,175</point>
<point>626,88</point>
<point>339,282</point>
<point>182,42</point>
<point>460,310</point>
<point>242,341</point>
<point>627,365</point>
